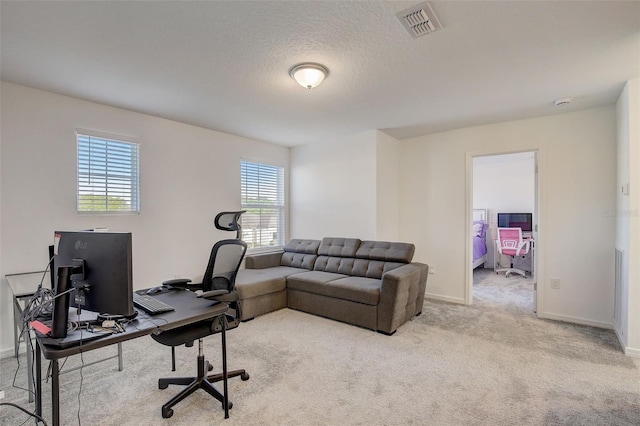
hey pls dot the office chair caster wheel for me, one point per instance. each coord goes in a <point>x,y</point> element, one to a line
<point>244,376</point>
<point>167,413</point>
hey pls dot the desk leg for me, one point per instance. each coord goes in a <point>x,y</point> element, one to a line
<point>55,393</point>
<point>17,313</point>
<point>120,367</point>
<point>30,365</point>
<point>225,399</point>
<point>38,380</point>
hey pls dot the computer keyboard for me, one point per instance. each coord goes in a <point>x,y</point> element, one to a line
<point>150,304</point>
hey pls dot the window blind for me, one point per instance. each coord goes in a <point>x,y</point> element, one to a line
<point>263,225</point>
<point>108,175</point>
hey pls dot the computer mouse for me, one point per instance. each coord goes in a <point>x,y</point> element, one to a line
<point>154,290</point>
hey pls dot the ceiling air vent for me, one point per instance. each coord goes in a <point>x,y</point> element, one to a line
<point>419,20</point>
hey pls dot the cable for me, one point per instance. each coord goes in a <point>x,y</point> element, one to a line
<point>35,308</point>
<point>33,305</point>
<point>37,417</point>
<point>81,379</point>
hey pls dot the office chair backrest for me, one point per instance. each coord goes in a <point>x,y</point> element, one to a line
<point>224,262</point>
<point>229,221</point>
<point>510,242</point>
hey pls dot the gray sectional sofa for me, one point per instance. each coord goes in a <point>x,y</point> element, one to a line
<point>371,284</point>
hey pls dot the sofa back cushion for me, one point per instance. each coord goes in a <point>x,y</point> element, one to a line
<point>369,259</point>
<point>343,247</point>
<point>300,254</point>
<point>354,267</point>
<point>387,251</point>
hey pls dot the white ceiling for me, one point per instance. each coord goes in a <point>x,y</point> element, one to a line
<point>224,65</point>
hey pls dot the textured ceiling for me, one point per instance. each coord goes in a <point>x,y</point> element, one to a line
<point>224,65</point>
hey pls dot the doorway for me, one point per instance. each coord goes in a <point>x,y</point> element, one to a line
<point>501,183</point>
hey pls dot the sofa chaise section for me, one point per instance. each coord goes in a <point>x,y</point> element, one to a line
<point>262,285</point>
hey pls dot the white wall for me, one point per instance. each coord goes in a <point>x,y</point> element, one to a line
<point>504,185</point>
<point>348,187</point>
<point>627,213</point>
<point>388,188</point>
<point>188,174</point>
<point>333,188</point>
<point>577,156</point>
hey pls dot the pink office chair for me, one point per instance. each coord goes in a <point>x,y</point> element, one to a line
<point>510,243</point>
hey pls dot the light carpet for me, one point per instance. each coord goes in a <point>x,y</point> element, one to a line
<point>491,363</point>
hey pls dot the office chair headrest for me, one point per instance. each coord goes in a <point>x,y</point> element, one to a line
<point>228,221</point>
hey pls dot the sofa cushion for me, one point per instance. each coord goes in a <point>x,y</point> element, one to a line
<point>302,246</point>
<point>300,254</point>
<point>256,282</point>
<point>387,251</point>
<point>311,280</point>
<point>356,267</point>
<point>345,247</point>
<point>355,289</point>
<point>298,260</point>
<point>372,268</point>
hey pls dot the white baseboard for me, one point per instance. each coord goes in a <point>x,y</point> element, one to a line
<point>445,298</point>
<point>575,320</point>
<point>632,352</point>
<point>8,352</point>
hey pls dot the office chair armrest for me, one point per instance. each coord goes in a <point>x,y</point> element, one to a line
<point>220,295</point>
<point>178,282</point>
<point>523,248</point>
<point>182,283</point>
<point>213,293</point>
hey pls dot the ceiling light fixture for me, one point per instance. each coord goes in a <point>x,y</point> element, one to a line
<point>309,74</point>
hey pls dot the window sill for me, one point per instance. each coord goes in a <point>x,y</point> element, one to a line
<point>265,250</point>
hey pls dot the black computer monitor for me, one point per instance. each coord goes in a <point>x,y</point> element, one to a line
<point>523,221</point>
<point>100,269</point>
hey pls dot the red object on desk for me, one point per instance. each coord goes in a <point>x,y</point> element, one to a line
<point>40,327</point>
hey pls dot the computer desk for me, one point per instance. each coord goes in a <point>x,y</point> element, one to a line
<point>188,309</point>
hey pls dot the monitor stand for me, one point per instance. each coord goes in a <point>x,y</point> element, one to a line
<point>61,303</point>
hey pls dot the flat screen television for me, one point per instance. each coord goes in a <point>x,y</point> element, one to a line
<point>101,272</point>
<point>523,221</point>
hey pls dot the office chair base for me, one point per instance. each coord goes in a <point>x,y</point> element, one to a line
<point>192,384</point>
<point>516,271</point>
<point>509,271</point>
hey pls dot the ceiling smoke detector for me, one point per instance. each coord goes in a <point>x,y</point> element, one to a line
<point>562,101</point>
<point>419,20</point>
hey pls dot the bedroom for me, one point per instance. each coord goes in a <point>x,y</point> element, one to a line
<point>503,183</point>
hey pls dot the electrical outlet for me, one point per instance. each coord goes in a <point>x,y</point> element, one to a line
<point>432,270</point>
<point>1,394</point>
<point>555,283</point>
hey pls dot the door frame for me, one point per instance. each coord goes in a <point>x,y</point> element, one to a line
<point>538,231</point>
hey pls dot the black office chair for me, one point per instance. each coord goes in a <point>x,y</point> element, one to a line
<point>218,283</point>
<point>225,221</point>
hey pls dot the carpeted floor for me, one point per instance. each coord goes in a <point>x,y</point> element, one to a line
<point>491,363</point>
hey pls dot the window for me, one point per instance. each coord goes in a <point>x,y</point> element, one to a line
<point>263,199</point>
<point>108,174</point>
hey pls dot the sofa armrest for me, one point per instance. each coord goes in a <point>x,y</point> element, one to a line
<point>262,261</point>
<point>401,295</point>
